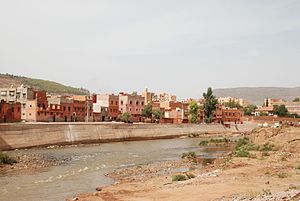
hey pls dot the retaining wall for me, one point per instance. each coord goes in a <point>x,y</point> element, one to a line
<point>16,136</point>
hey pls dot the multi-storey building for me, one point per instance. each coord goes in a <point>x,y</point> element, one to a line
<point>17,95</point>
<point>10,112</point>
<point>107,106</point>
<point>133,104</point>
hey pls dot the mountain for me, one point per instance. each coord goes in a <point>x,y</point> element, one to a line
<point>6,80</point>
<point>256,95</point>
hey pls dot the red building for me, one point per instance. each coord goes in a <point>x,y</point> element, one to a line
<point>10,112</point>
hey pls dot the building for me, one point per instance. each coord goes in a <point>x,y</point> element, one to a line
<point>175,112</point>
<point>148,96</point>
<point>164,97</point>
<point>10,112</point>
<point>292,107</point>
<point>226,115</point>
<point>240,101</point>
<point>107,106</point>
<point>17,95</point>
<point>133,104</point>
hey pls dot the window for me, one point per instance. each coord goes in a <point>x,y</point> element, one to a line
<point>130,102</point>
<point>69,109</point>
<point>112,102</point>
<point>39,105</point>
<point>121,102</point>
<point>29,114</point>
<point>53,107</point>
<point>64,108</point>
<point>129,109</point>
<point>137,103</point>
<point>30,105</point>
<point>116,102</point>
<point>12,109</point>
<point>38,113</point>
<point>18,109</point>
<point>142,103</point>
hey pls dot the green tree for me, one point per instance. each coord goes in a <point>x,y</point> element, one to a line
<point>209,105</point>
<point>296,100</point>
<point>125,117</point>
<point>248,110</point>
<point>157,114</point>
<point>193,112</point>
<point>147,111</point>
<point>232,104</point>
<point>280,110</point>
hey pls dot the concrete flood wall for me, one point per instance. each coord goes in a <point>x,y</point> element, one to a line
<point>16,136</point>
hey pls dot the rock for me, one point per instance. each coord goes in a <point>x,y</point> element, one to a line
<point>99,189</point>
<point>74,199</point>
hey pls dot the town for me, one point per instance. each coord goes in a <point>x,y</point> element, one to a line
<point>24,104</point>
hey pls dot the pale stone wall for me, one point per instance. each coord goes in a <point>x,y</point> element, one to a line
<point>16,136</point>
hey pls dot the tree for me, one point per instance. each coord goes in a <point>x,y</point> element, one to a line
<point>147,111</point>
<point>193,111</point>
<point>280,110</point>
<point>125,117</point>
<point>248,110</point>
<point>232,104</point>
<point>296,100</point>
<point>209,105</point>
<point>157,114</point>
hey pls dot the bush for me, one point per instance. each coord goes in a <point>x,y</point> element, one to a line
<point>242,142</point>
<point>207,161</point>
<point>220,140</point>
<point>242,153</point>
<point>189,155</point>
<point>179,177</point>
<point>282,175</point>
<point>268,147</point>
<point>5,159</point>
<point>190,175</point>
<point>265,153</point>
<point>203,143</point>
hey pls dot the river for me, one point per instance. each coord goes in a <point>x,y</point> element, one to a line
<point>86,166</point>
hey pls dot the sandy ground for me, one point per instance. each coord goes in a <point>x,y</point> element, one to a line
<point>273,176</point>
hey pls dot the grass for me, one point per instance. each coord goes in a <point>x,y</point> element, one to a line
<point>5,159</point>
<point>242,153</point>
<point>189,155</point>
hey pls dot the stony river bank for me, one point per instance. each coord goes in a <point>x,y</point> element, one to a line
<point>269,171</point>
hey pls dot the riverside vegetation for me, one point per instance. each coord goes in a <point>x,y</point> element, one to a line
<point>6,160</point>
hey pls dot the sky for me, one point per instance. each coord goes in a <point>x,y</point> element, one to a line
<point>176,46</point>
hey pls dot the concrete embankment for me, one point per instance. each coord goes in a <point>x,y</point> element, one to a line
<point>16,136</point>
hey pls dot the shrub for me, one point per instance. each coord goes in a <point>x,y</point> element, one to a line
<point>203,143</point>
<point>179,177</point>
<point>268,147</point>
<point>189,155</point>
<point>207,161</point>
<point>298,167</point>
<point>190,175</point>
<point>282,175</point>
<point>5,159</point>
<point>265,153</point>
<point>242,142</point>
<point>220,140</point>
<point>242,153</point>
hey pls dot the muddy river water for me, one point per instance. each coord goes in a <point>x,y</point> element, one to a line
<point>86,166</point>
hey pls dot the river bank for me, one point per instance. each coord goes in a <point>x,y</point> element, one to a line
<point>29,135</point>
<point>268,173</point>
